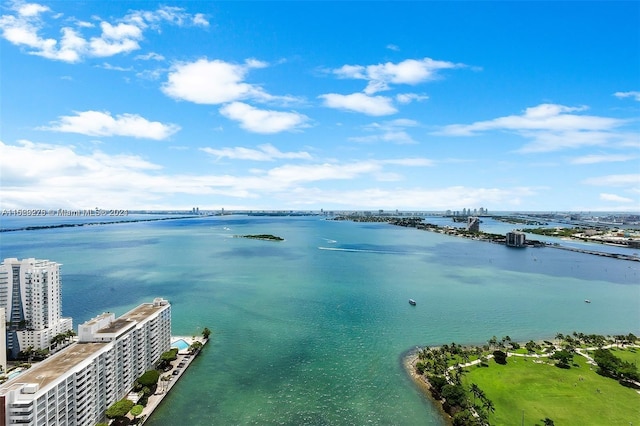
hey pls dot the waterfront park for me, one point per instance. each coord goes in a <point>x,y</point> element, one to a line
<point>576,379</point>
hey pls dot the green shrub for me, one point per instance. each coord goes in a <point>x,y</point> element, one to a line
<point>149,378</point>
<point>119,409</point>
<point>500,357</point>
<point>455,395</point>
<point>136,410</point>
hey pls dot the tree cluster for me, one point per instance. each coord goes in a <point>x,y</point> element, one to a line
<point>610,365</point>
<point>62,338</point>
<point>564,358</point>
<point>446,383</point>
<point>576,339</point>
<point>165,359</point>
<point>29,354</point>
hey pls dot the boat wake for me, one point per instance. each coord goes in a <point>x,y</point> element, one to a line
<point>351,250</point>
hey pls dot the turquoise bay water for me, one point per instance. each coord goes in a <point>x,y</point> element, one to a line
<point>312,330</point>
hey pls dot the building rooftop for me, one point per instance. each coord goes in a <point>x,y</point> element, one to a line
<point>64,361</point>
<point>51,369</point>
<point>132,317</point>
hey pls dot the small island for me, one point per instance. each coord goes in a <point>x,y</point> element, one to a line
<point>266,237</point>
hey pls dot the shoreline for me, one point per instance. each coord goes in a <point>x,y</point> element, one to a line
<point>408,360</point>
<point>185,358</point>
<point>418,224</point>
<point>79,224</point>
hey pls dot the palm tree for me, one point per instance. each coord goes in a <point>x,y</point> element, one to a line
<point>478,351</point>
<point>422,354</point>
<point>70,334</point>
<point>459,372</point>
<point>488,405</point>
<point>475,390</point>
<point>492,342</point>
<point>440,366</point>
<point>206,333</point>
<point>481,395</point>
<point>465,356</point>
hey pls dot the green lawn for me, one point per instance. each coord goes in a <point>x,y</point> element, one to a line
<point>577,396</point>
<point>631,355</point>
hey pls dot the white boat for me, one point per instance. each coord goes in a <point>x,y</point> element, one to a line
<point>412,302</point>
<point>587,301</point>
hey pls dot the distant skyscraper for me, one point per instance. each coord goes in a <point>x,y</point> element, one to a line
<point>473,224</point>
<point>515,239</point>
<point>31,297</point>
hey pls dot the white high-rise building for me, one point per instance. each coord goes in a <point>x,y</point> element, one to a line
<point>75,386</point>
<point>30,293</point>
<point>3,338</point>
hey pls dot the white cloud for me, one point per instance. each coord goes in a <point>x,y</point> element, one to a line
<point>115,39</point>
<point>266,152</point>
<point>97,123</point>
<point>454,197</point>
<point>360,102</point>
<point>388,131</point>
<point>616,198</point>
<point>59,177</point>
<point>108,66</point>
<point>551,127</point>
<point>410,162</point>
<point>290,175</point>
<point>557,140</point>
<point>320,172</point>
<point>171,14</point>
<point>217,82</point>
<point>263,121</point>
<point>548,117</point>
<point>24,27</point>
<point>64,177</point>
<point>199,19</point>
<point>633,94</point>
<point>255,63</point>
<point>409,71</point>
<point>596,159</point>
<point>31,9</point>
<point>150,56</point>
<point>84,24</point>
<point>120,31</point>
<point>632,180</point>
<point>405,98</point>
<point>393,47</point>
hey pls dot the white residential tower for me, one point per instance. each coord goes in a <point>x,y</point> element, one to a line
<point>30,293</point>
<point>75,386</point>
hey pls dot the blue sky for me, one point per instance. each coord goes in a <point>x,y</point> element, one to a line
<point>529,106</point>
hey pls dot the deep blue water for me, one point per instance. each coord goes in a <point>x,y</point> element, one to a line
<point>311,330</point>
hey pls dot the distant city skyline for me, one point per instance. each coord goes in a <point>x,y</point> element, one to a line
<point>414,106</point>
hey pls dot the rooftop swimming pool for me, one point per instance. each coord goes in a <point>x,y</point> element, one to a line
<point>181,344</point>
